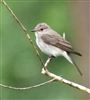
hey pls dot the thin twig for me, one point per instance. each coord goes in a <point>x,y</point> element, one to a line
<point>26,88</point>
<point>61,79</point>
<point>24,29</point>
<point>29,38</point>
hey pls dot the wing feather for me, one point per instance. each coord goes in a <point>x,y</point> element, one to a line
<point>57,41</point>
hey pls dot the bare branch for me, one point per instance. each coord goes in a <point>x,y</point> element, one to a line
<point>45,71</point>
<point>26,88</point>
<point>24,29</point>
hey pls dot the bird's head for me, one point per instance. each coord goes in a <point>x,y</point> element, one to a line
<point>41,27</point>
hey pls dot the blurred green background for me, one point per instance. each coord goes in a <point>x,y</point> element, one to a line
<point>19,64</point>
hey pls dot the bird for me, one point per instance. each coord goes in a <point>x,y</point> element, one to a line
<point>53,44</point>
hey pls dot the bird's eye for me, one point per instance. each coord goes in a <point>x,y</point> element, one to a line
<point>41,29</point>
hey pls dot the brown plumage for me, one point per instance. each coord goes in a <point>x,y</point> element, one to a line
<point>59,42</point>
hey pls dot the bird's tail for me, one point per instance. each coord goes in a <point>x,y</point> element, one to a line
<point>70,59</point>
<point>76,67</point>
<point>77,53</point>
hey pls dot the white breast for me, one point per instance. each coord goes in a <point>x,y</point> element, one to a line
<point>47,49</point>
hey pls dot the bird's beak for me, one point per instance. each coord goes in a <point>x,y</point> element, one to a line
<point>33,30</point>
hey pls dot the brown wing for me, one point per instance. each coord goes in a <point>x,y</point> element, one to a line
<point>57,41</point>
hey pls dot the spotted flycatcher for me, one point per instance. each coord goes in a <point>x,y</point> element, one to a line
<point>53,44</point>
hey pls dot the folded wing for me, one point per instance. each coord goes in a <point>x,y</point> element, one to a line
<point>57,41</point>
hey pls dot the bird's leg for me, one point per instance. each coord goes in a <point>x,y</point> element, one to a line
<point>47,61</point>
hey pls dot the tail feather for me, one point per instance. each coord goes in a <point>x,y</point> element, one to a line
<point>77,53</point>
<point>67,56</point>
<point>76,67</point>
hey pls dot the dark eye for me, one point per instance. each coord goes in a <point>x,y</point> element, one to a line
<point>41,29</point>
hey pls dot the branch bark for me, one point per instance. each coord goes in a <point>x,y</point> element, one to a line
<point>45,71</point>
<point>26,88</point>
<point>23,28</point>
